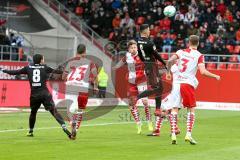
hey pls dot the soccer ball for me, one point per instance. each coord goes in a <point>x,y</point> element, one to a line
<point>169,11</point>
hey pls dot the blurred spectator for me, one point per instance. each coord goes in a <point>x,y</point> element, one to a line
<point>96,23</point>
<point>214,51</point>
<point>237,15</point>
<point>228,17</point>
<point>189,17</point>
<point>203,49</point>
<point>149,20</point>
<point>221,8</point>
<point>231,36</point>
<point>180,42</point>
<point>158,41</point>
<point>167,44</point>
<point>219,19</point>
<point>192,30</point>
<point>107,23</point>
<point>182,31</point>
<point>238,36</point>
<point>233,7</point>
<point>224,51</point>
<point>208,17</point>
<point>127,21</point>
<point>221,31</point>
<point>116,21</point>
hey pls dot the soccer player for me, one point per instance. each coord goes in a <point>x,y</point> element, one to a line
<point>37,76</point>
<point>189,60</point>
<point>167,104</point>
<point>149,55</point>
<point>137,83</point>
<point>78,73</point>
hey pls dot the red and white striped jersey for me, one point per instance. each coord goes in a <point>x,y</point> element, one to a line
<point>136,72</point>
<point>80,72</point>
<point>188,65</point>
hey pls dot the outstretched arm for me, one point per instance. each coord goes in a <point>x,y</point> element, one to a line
<point>205,72</point>
<point>51,70</point>
<point>16,72</point>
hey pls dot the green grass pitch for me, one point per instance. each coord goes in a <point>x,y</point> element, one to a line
<point>113,137</point>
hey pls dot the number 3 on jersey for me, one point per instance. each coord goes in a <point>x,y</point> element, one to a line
<point>184,64</point>
<point>77,73</point>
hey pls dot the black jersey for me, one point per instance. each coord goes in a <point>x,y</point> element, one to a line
<point>37,76</point>
<point>147,51</point>
<point>149,55</point>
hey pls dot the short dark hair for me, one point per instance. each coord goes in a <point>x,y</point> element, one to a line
<point>131,42</point>
<point>194,40</point>
<point>143,27</point>
<point>81,48</point>
<point>37,58</point>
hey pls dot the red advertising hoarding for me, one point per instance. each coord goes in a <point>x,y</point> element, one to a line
<point>10,66</point>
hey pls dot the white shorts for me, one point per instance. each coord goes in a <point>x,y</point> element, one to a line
<point>173,99</point>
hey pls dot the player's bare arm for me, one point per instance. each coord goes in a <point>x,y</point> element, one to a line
<point>205,72</point>
<point>169,65</point>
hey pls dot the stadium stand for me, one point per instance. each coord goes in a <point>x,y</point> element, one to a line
<point>217,23</point>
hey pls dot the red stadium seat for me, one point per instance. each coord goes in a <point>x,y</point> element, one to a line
<point>79,11</point>
<point>230,48</point>
<point>157,29</point>
<point>232,66</point>
<point>140,20</point>
<point>164,56</point>
<point>233,58</point>
<point>211,65</point>
<point>211,38</point>
<point>236,50</point>
<point>222,66</point>
<point>173,36</point>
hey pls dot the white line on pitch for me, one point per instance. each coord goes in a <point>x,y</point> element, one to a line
<point>46,128</point>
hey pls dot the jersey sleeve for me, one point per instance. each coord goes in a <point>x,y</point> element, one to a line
<point>155,53</point>
<point>15,72</point>
<point>201,59</point>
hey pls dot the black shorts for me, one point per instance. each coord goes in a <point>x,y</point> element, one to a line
<point>42,97</point>
<point>154,78</point>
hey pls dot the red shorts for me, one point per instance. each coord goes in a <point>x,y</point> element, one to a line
<point>132,90</point>
<point>188,95</point>
<point>82,100</point>
<point>135,89</point>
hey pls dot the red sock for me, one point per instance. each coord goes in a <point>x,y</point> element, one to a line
<point>147,113</point>
<point>190,121</point>
<point>158,123</point>
<point>135,114</point>
<point>173,122</point>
